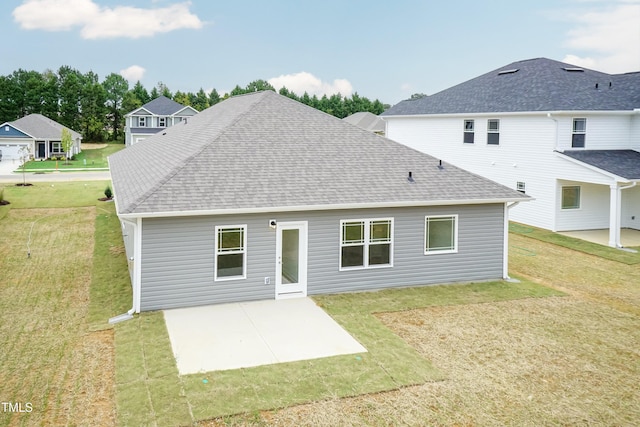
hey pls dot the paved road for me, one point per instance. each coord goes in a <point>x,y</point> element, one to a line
<point>56,177</point>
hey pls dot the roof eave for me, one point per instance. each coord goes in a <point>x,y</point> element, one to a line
<point>303,208</point>
<point>514,113</point>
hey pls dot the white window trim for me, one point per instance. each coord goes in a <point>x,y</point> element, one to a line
<point>160,125</point>
<point>244,252</point>
<point>142,119</point>
<point>562,208</point>
<point>366,242</point>
<point>455,235</point>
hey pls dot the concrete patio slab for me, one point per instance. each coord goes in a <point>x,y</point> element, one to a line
<point>241,335</point>
<point>628,237</point>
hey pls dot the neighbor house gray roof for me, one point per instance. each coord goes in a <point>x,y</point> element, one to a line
<point>367,121</point>
<point>162,106</point>
<point>41,127</point>
<point>623,163</point>
<point>268,152</point>
<point>531,85</point>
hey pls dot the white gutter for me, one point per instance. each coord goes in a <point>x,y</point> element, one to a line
<point>505,250</point>
<point>136,276</point>
<point>238,211</point>
<point>511,113</point>
<point>555,147</point>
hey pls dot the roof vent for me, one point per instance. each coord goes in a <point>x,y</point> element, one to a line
<point>596,86</point>
<point>410,177</point>
<point>440,165</point>
<point>513,70</point>
<point>574,69</point>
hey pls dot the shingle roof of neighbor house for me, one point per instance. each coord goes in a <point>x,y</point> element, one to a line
<point>41,127</point>
<point>367,121</point>
<point>539,84</point>
<point>623,163</point>
<point>163,106</point>
<point>264,151</point>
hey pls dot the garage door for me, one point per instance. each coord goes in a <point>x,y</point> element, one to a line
<point>11,151</point>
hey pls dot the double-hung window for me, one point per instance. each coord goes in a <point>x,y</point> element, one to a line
<point>468,134</point>
<point>493,131</point>
<point>162,122</point>
<point>231,252</point>
<point>366,243</point>
<point>441,234</point>
<point>579,133</point>
<point>142,122</point>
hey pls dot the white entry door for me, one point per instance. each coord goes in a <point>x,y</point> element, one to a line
<point>291,259</point>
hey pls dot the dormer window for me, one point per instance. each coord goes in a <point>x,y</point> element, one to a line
<point>162,122</point>
<point>142,122</point>
<point>579,133</point>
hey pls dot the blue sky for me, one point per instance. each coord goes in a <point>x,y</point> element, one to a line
<point>385,50</point>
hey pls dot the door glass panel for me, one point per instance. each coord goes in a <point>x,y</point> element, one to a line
<point>290,255</point>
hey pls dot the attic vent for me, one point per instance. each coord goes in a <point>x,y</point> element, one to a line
<point>574,69</point>
<point>514,70</point>
<point>6,128</point>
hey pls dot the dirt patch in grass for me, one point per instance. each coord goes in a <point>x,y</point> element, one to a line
<point>92,145</point>
<point>543,361</point>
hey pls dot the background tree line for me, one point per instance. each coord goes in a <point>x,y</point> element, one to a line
<point>96,109</point>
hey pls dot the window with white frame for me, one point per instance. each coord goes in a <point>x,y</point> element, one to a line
<point>142,122</point>
<point>521,187</point>
<point>162,122</point>
<point>493,131</point>
<point>441,234</point>
<point>366,243</point>
<point>231,252</point>
<point>56,147</point>
<point>579,133</point>
<point>571,197</point>
<point>468,134</point>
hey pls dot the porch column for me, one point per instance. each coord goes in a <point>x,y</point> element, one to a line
<point>614,216</point>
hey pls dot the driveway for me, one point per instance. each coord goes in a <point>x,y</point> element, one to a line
<point>241,335</point>
<point>8,166</point>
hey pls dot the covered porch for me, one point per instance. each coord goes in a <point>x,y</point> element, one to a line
<point>612,198</point>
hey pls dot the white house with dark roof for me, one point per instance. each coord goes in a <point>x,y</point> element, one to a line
<point>565,135</point>
<point>269,198</point>
<point>41,135</point>
<point>153,117</point>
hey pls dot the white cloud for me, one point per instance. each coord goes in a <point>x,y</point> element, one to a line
<point>302,82</point>
<point>133,73</point>
<point>608,36</point>
<point>97,22</point>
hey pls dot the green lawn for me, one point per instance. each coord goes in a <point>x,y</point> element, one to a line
<point>60,353</point>
<point>87,159</point>
<point>576,244</point>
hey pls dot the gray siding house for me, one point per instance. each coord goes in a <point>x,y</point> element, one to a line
<point>269,198</point>
<point>153,117</point>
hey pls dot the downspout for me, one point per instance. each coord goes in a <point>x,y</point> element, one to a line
<point>555,147</point>
<point>135,277</point>
<point>505,250</point>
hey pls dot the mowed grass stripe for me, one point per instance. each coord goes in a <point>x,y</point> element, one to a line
<point>43,307</point>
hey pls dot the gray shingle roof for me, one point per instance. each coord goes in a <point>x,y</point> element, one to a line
<point>367,121</point>
<point>41,127</point>
<point>538,85</point>
<point>163,106</point>
<point>266,151</point>
<point>623,163</point>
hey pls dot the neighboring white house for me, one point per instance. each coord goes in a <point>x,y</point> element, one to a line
<point>41,135</point>
<point>153,117</point>
<point>565,135</point>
